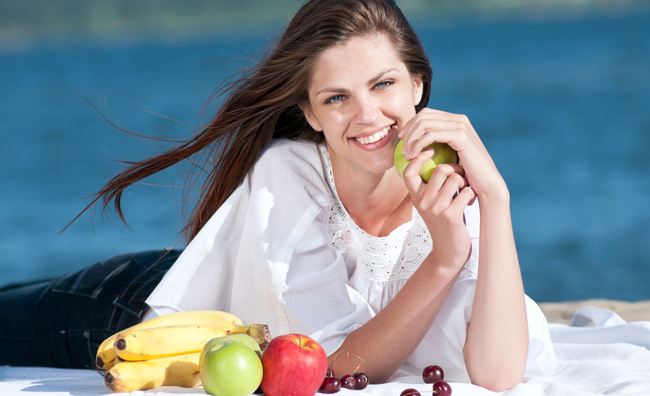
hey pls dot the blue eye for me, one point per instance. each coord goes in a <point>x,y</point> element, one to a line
<point>335,99</point>
<point>384,84</point>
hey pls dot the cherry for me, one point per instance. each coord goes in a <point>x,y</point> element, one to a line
<point>433,374</point>
<point>362,381</point>
<point>348,381</point>
<point>330,385</point>
<point>410,392</point>
<point>441,388</point>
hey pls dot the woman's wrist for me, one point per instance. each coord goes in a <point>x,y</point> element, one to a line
<point>499,195</point>
<point>444,266</point>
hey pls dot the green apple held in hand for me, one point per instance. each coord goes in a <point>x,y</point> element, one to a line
<point>443,154</point>
<point>230,368</point>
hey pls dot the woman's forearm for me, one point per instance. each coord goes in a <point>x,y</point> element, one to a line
<point>390,337</point>
<point>497,338</point>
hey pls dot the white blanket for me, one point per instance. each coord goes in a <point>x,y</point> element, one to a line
<point>598,354</point>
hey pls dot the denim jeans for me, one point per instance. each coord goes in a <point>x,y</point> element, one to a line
<point>61,322</point>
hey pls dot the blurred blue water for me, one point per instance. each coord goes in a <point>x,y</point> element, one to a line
<point>564,108</point>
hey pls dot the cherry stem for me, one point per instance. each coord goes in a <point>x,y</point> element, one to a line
<point>364,362</point>
<point>334,358</point>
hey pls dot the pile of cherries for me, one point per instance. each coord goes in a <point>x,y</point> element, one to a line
<point>354,381</point>
<point>358,380</point>
<point>432,375</point>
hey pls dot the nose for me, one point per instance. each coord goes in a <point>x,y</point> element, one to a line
<point>367,110</point>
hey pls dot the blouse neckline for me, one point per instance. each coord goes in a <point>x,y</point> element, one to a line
<point>400,230</point>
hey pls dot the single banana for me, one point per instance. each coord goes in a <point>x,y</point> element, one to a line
<point>206,318</point>
<point>106,353</point>
<point>180,370</point>
<point>157,342</point>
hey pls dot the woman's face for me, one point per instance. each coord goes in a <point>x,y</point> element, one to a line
<point>361,94</point>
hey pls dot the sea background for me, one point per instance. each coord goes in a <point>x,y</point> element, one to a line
<point>560,95</point>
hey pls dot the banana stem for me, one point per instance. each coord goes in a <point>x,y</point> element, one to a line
<point>259,332</point>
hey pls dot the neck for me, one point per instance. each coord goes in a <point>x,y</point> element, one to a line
<point>377,203</point>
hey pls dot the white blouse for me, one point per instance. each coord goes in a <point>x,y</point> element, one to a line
<point>282,250</point>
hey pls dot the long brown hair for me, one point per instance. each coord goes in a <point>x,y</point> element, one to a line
<point>263,104</point>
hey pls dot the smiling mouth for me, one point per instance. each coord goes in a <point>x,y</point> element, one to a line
<point>375,137</point>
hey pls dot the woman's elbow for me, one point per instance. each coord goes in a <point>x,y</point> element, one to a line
<point>498,380</point>
<point>497,373</point>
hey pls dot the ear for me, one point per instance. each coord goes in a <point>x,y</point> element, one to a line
<point>418,89</point>
<point>309,116</point>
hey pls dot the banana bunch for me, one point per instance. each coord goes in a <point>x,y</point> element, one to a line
<point>165,350</point>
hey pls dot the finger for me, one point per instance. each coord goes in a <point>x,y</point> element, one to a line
<point>456,167</point>
<point>445,200</point>
<point>424,132</point>
<point>452,137</point>
<point>426,127</point>
<point>451,187</point>
<point>466,197</point>
<point>408,126</point>
<point>432,115</point>
<point>471,202</point>
<point>411,174</point>
<point>432,193</point>
<point>442,172</point>
<point>418,126</point>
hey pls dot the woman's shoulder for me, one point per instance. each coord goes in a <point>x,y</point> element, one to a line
<point>290,152</point>
<point>291,166</point>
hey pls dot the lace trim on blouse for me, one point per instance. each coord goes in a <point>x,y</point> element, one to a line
<point>394,257</point>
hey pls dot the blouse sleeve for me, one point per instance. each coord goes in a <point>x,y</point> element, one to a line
<point>318,298</point>
<point>266,257</point>
<point>302,287</point>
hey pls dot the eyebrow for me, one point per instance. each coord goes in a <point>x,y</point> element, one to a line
<point>372,81</point>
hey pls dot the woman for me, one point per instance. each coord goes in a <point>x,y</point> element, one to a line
<point>304,224</point>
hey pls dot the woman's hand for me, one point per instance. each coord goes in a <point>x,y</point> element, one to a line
<point>431,125</point>
<point>441,203</point>
<point>443,199</point>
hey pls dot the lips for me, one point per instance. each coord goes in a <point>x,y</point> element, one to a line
<point>375,137</point>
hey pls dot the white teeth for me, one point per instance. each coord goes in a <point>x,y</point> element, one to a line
<point>373,138</point>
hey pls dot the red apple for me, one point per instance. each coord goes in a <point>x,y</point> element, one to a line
<point>294,365</point>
